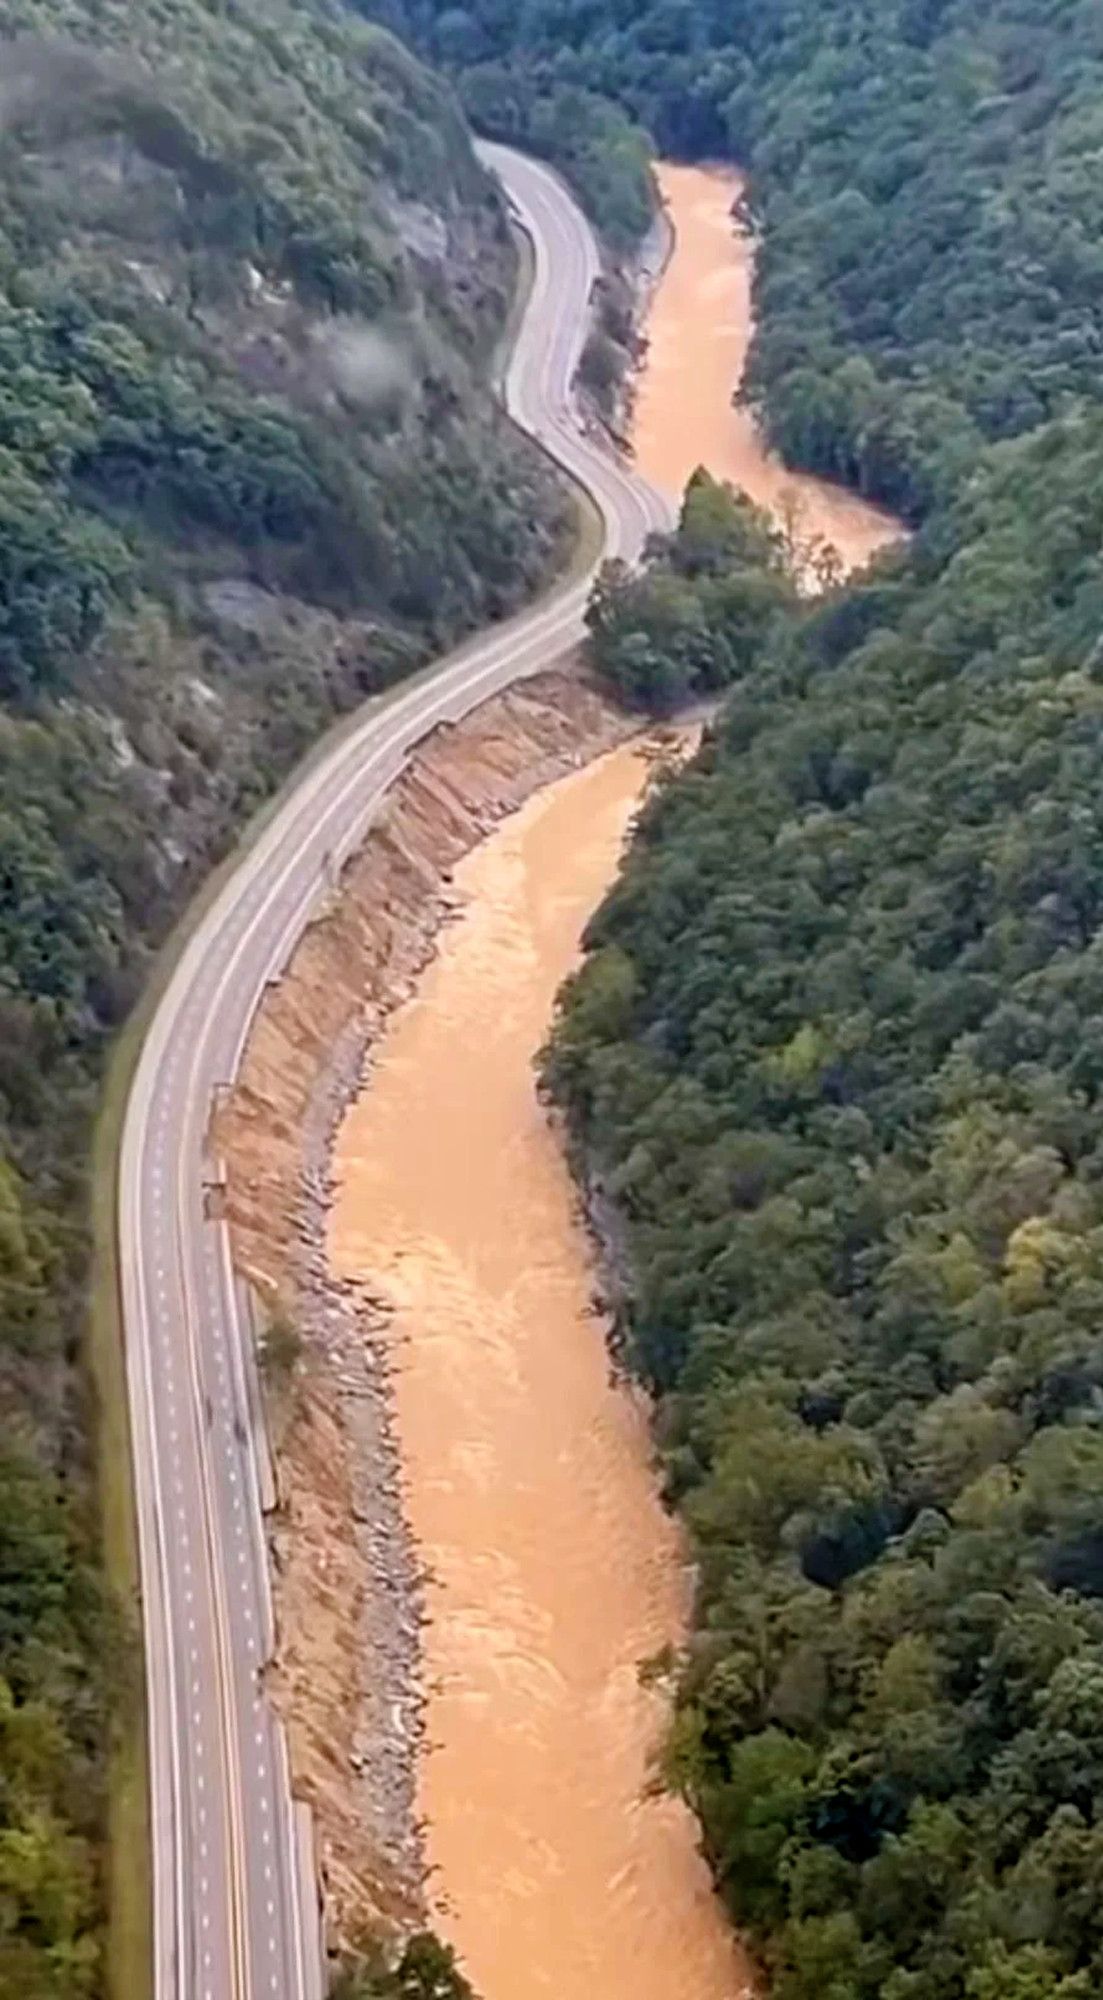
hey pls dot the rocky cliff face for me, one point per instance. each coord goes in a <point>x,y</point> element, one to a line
<point>251,278</point>
<point>346,1581</point>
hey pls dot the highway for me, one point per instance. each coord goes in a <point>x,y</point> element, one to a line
<point>235,1913</point>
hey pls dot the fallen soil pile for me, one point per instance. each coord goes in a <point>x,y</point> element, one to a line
<point>347,1590</point>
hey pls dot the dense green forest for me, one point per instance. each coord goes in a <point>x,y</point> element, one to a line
<point>250,471</point>
<point>924,178</point>
<point>836,1049</point>
<point>836,1058</point>
<point>832,1065</point>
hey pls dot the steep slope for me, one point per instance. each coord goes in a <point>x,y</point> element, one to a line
<point>250,470</point>
<point>835,1058</point>
<point>923,175</point>
<point>833,1064</point>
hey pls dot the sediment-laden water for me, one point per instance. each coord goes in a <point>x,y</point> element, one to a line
<point>698,330</point>
<point>557,1869</point>
<point>530,1492</point>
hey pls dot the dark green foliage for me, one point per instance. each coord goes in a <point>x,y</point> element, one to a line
<point>250,472</point>
<point>924,177</point>
<point>835,1052</point>
<point>426,1970</point>
<point>230,360</point>
<point>697,618</point>
<point>58,577</point>
<point>280,1351</point>
<point>535,81</point>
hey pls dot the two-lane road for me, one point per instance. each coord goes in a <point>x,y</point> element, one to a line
<point>235,1903</point>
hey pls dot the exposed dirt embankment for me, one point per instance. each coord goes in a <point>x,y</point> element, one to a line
<point>346,1585</point>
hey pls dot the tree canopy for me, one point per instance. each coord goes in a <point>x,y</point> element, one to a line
<point>833,1053</point>
<point>922,178</point>
<point>251,276</point>
<point>836,1047</point>
<point>425,1969</point>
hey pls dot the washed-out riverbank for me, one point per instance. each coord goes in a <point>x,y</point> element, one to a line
<point>698,328</point>
<point>347,1578</point>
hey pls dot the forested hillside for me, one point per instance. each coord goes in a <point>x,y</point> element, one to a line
<point>838,1044</point>
<point>924,174</point>
<point>250,278</point>
<point>837,1056</point>
<point>833,1063</point>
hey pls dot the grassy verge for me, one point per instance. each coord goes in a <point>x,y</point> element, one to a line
<point>128,1882</point>
<point>129,1952</point>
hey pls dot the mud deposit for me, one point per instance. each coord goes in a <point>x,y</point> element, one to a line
<point>698,330</point>
<point>553,1569</point>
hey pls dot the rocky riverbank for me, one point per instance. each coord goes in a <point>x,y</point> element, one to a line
<point>529,1484</point>
<point>348,1590</point>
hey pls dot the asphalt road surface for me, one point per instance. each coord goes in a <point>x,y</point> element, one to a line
<point>235,1901</point>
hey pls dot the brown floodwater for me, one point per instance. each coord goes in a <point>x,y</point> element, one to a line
<point>530,1492</point>
<point>698,329</point>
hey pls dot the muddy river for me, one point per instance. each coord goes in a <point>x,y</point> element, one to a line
<point>556,1872</point>
<point>698,331</point>
<point>554,1569</point>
